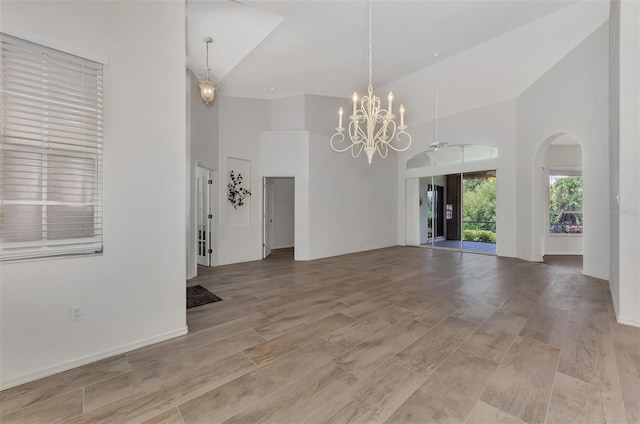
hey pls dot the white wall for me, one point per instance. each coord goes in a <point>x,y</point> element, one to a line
<point>560,157</point>
<point>203,150</point>
<point>283,212</point>
<point>133,294</point>
<point>624,131</point>
<point>352,204</point>
<point>571,98</point>
<point>240,122</point>
<point>321,113</point>
<point>411,199</point>
<point>493,125</point>
<point>287,113</point>
<point>294,146</point>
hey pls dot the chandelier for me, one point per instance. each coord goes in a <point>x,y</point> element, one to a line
<point>371,128</point>
<point>206,82</point>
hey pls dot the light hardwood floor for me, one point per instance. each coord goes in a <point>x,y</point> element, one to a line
<point>397,335</point>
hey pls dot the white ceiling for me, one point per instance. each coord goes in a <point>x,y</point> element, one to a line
<point>320,47</point>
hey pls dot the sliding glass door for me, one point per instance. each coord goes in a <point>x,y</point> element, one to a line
<point>456,211</point>
<point>479,212</point>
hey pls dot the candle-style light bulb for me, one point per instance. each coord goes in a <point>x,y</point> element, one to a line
<point>340,112</point>
<point>401,115</point>
<point>355,102</point>
<point>390,101</point>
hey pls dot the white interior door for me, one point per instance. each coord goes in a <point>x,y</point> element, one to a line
<point>204,216</point>
<point>267,207</point>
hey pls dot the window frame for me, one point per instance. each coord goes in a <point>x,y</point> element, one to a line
<point>563,171</point>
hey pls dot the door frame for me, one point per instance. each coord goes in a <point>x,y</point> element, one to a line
<point>267,216</point>
<point>213,210</point>
<point>265,199</point>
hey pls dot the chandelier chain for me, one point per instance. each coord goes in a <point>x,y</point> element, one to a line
<point>370,44</point>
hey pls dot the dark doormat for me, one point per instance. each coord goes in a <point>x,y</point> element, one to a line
<point>198,295</point>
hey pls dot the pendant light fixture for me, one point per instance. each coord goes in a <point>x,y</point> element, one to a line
<point>206,82</point>
<point>371,128</point>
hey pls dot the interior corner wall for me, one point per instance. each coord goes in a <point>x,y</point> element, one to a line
<point>144,198</point>
<point>493,125</point>
<point>570,98</point>
<point>352,204</point>
<point>287,113</point>
<point>240,121</point>
<point>321,113</point>
<point>624,131</point>
<point>204,149</point>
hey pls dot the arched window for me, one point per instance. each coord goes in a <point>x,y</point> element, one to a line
<point>448,155</point>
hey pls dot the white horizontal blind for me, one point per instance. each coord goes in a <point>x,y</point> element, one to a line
<point>50,152</point>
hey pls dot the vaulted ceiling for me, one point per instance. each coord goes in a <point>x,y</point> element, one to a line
<point>270,49</point>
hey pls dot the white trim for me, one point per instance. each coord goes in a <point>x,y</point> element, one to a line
<point>84,360</point>
<point>614,299</point>
<point>562,168</point>
<point>625,321</point>
<point>282,247</point>
<point>47,42</point>
<point>563,253</point>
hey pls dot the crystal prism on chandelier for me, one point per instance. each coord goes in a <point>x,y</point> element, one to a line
<point>371,128</point>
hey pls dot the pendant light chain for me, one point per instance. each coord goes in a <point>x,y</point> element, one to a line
<point>207,60</point>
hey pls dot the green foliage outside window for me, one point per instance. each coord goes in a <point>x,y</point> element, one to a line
<point>479,210</point>
<point>565,204</point>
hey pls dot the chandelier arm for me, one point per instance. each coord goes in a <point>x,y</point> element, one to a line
<point>382,130</point>
<point>383,147</point>
<point>358,132</point>
<point>339,137</point>
<point>399,135</point>
<point>357,147</point>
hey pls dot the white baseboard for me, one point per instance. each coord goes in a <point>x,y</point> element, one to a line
<point>84,360</point>
<point>625,321</point>
<point>564,253</point>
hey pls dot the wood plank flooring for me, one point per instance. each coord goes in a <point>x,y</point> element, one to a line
<point>396,335</point>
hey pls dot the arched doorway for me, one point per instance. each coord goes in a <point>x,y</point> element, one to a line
<point>559,209</point>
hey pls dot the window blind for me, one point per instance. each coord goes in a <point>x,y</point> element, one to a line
<point>50,152</point>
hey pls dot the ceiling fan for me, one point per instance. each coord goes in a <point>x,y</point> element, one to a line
<point>437,145</point>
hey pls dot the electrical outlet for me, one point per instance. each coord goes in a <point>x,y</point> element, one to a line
<point>77,313</point>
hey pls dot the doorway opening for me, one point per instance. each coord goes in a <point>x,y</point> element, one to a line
<point>204,216</point>
<point>458,211</point>
<point>278,218</point>
<point>562,189</point>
